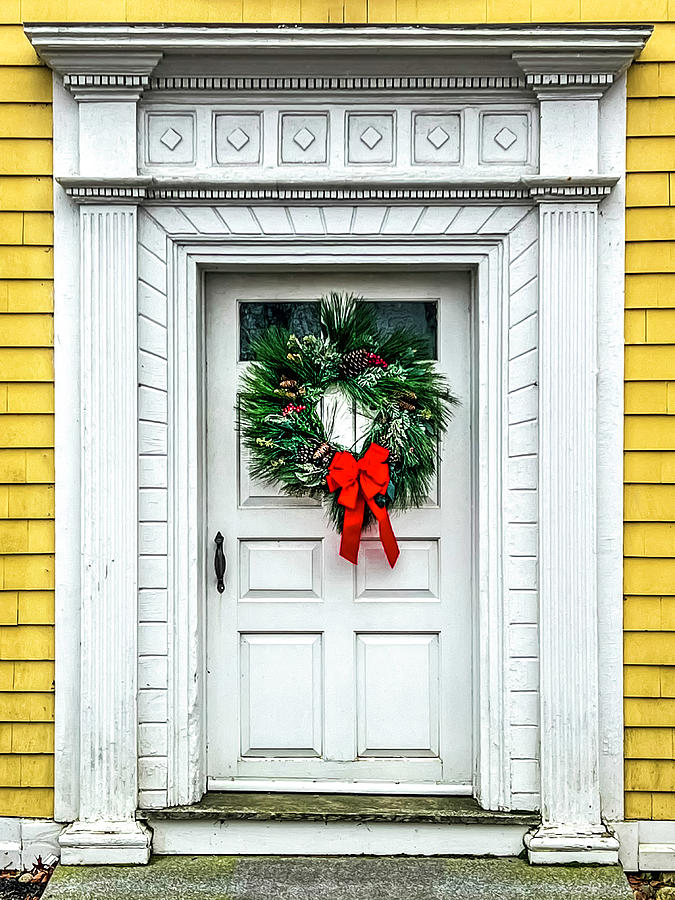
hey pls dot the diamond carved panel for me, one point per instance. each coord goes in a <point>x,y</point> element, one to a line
<point>505,138</point>
<point>370,138</point>
<point>436,138</point>
<point>237,139</point>
<point>170,139</point>
<point>304,138</point>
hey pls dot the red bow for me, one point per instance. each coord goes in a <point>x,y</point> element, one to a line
<point>359,481</point>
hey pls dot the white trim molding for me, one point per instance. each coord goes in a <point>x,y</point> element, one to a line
<point>180,149</point>
<point>22,841</point>
<point>646,846</point>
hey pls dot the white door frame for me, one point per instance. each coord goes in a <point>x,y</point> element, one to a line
<point>564,90</point>
<point>187,704</point>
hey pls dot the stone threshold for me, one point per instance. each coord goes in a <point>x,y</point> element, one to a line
<point>296,807</point>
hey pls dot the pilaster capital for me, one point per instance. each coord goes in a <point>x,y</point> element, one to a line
<point>105,76</point>
<point>591,189</point>
<point>106,86</point>
<point>571,76</point>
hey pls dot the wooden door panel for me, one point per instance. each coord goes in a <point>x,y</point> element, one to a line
<point>281,695</point>
<point>397,695</point>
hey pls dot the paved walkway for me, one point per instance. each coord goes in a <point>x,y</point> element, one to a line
<point>337,878</point>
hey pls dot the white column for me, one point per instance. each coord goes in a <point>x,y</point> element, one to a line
<point>572,828</point>
<point>106,830</point>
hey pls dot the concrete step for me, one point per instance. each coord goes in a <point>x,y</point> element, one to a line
<point>337,878</point>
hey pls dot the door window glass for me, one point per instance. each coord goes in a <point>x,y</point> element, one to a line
<point>302,317</point>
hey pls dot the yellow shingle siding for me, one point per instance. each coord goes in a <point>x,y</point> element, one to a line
<point>26,395</point>
<point>649,571</point>
<point>26,428</point>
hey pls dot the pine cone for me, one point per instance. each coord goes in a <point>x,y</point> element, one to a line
<point>305,454</point>
<point>321,452</point>
<point>407,400</point>
<point>394,458</point>
<point>354,363</point>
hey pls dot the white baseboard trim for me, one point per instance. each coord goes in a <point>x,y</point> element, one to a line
<point>646,846</point>
<point>23,840</point>
<point>243,837</point>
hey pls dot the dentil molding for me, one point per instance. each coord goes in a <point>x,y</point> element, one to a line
<point>84,190</point>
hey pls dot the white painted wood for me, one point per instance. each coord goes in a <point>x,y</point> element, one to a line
<point>103,842</point>
<point>384,696</point>
<point>152,638</point>
<point>10,843</point>
<point>152,706</point>
<point>108,782</point>
<point>152,799</point>
<point>281,701</point>
<point>627,833</point>
<point>152,672</point>
<point>152,606</point>
<point>561,121</point>
<point>280,570</point>
<point>267,140</point>
<point>39,838</point>
<point>335,838</point>
<point>646,845</point>
<point>582,50</point>
<point>568,540</point>
<point>397,695</point>
<point>416,576</point>
<point>112,124</point>
<point>611,281</point>
<point>152,739</point>
<point>67,447</point>
<point>333,786</point>
<point>23,840</point>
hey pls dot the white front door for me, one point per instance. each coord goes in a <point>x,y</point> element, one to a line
<point>320,673</point>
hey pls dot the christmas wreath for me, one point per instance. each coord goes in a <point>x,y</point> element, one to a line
<point>385,376</point>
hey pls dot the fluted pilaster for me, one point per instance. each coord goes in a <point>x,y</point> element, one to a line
<point>572,829</point>
<point>108,780</point>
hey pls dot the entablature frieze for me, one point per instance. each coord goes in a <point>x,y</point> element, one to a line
<point>341,110</point>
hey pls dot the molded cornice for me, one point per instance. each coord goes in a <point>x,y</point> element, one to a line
<point>558,51</point>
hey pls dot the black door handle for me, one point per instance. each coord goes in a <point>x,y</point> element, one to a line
<point>220,563</point>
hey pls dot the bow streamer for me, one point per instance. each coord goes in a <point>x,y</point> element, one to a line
<point>359,482</point>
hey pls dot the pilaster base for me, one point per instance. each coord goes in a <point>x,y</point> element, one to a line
<point>557,845</point>
<point>105,843</point>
